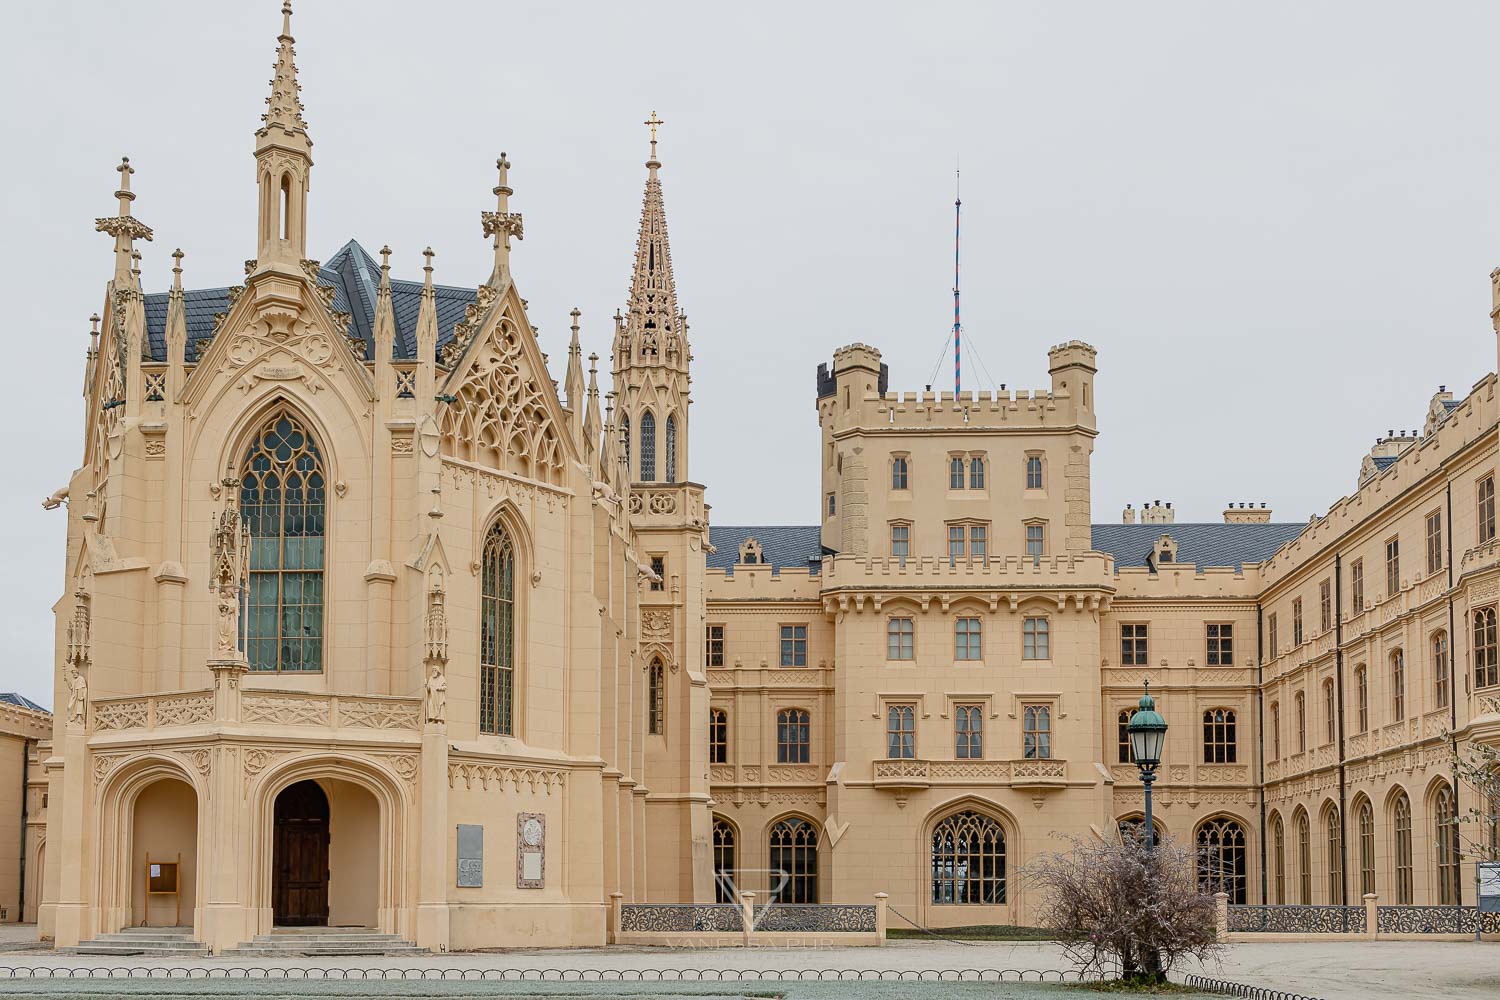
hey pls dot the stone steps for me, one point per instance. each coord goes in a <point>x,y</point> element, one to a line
<point>324,941</point>
<point>151,942</point>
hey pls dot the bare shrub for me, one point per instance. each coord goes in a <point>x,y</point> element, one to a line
<point>1126,908</point>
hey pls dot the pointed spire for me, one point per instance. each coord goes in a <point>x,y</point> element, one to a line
<point>573,382</point>
<point>591,422</point>
<point>176,331</point>
<point>283,158</point>
<point>651,335</point>
<point>125,228</point>
<point>427,336</point>
<point>385,316</point>
<point>502,224</point>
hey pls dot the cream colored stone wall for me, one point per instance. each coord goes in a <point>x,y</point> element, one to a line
<point>21,732</point>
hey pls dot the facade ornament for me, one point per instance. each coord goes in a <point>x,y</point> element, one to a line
<point>436,657</point>
<point>229,570</point>
<point>437,695</point>
<point>79,656</point>
<point>123,226</point>
<point>502,224</point>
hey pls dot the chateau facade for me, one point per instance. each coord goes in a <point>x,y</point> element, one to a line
<point>368,622</point>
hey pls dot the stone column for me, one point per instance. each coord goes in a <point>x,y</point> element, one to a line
<point>71,841</point>
<point>1372,915</point>
<point>226,918</point>
<point>880,917</point>
<point>747,917</point>
<point>1221,916</point>
<point>435,864</point>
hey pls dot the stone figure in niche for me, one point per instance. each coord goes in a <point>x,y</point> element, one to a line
<point>78,695</point>
<point>437,695</point>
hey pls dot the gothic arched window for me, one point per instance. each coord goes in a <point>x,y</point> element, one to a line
<point>1366,848</point>
<point>1304,860</point>
<point>283,499</point>
<point>625,437</point>
<point>1335,836</point>
<point>968,860</point>
<point>1219,743</point>
<point>497,634</point>
<point>671,446</point>
<point>793,736</point>
<point>794,851</point>
<point>1278,851</point>
<point>724,867</point>
<point>656,699</point>
<point>1221,858</point>
<point>1445,822</point>
<point>1401,831</point>
<point>648,447</point>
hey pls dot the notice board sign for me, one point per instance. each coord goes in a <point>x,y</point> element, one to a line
<point>1489,886</point>
<point>470,856</point>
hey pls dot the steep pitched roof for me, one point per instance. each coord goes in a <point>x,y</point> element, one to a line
<point>20,701</point>
<point>1197,544</point>
<point>354,276</point>
<point>797,546</point>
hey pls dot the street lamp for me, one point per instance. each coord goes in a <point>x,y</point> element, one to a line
<point>1148,732</point>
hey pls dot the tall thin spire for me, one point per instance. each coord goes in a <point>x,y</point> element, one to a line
<point>502,224</point>
<point>573,382</point>
<point>283,159</point>
<point>124,227</point>
<point>652,334</point>
<point>592,425</point>
<point>958,326</point>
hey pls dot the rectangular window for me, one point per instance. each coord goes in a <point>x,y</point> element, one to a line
<point>1033,472</point>
<point>714,645</point>
<point>1301,703</point>
<point>968,732</point>
<point>898,473</point>
<point>1220,742</point>
<point>718,736</point>
<point>1485,494</point>
<point>659,567</point>
<point>976,472</point>
<point>793,736</point>
<point>1036,732</point>
<point>956,535</point>
<point>1398,686</point>
<point>1325,606</point>
<point>1486,651</point>
<point>1036,540</point>
<point>1220,645</point>
<point>1330,713</point>
<point>1035,641</point>
<point>900,639</point>
<point>1271,634</point>
<point>967,639</point>
<point>955,473</point>
<point>1275,731</point>
<point>1296,622</point>
<point>1357,585</point>
<point>901,732</point>
<point>1434,542</point>
<point>1440,669</point>
<point>794,645</point>
<point>1133,645</point>
<point>832,504</point>
<point>1126,754</point>
<point>978,541</point>
<point>1392,567</point>
<point>1362,697</point>
<point>900,541</point>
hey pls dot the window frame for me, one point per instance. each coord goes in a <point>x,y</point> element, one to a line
<point>968,643</point>
<point>1433,531</point>
<point>1036,731</point>
<point>1392,566</point>
<point>659,567</point>
<point>1219,648</point>
<point>900,473</point>
<point>1362,696</point>
<point>795,654</point>
<point>1135,649</point>
<point>1357,585</point>
<point>1325,606</point>
<point>718,735</point>
<point>904,541</point>
<point>793,735</point>
<point>1039,549</point>
<point>1439,647</point>
<point>957,474</point>
<point>901,639</point>
<point>714,644</point>
<point>900,730</point>
<point>968,731</point>
<point>1036,638</point>
<point>1039,480</point>
<point>1484,509</point>
<point>1220,736</point>
<point>977,471</point>
<point>1296,622</point>
<point>1397,662</point>
<point>1485,647</point>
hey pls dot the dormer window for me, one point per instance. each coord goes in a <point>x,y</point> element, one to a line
<point>1164,551</point>
<point>751,553</point>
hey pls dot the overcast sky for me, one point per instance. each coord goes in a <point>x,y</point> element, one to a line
<point>1274,221</point>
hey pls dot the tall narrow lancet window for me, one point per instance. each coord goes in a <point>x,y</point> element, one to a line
<point>656,699</point>
<point>283,498</point>
<point>497,634</point>
<point>671,447</point>
<point>648,447</point>
<point>625,436</point>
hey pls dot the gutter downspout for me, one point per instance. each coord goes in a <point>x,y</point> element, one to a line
<point>1458,878</point>
<point>1338,667</point>
<point>25,780</point>
<point>1260,722</point>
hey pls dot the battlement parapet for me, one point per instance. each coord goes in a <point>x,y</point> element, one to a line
<point>750,582</point>
<point>1078,569</point>
<point>1186,581</point>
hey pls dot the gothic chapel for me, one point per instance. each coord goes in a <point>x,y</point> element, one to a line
<point>353,625</point>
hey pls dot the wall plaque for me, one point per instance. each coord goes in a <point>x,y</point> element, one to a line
<point>470,856</point>
<point>531,849</point>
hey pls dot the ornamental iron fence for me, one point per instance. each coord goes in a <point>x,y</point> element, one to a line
<point>1297,919</point>
<point>681,918</point>
<point>1435,920</point>
<point>816,918</point>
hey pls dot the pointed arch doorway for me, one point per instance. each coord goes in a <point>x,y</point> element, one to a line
<point>299,859</point>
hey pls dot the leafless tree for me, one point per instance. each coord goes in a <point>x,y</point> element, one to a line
<point>1479,822</point>
<point>1126,908</point>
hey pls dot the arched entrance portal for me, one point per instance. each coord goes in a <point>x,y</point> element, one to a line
<point>299,858</point>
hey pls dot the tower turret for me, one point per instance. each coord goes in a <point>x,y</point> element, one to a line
<point>283,161</point>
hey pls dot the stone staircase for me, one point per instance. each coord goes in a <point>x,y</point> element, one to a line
<point>296,942</point>
<point>149,942</point>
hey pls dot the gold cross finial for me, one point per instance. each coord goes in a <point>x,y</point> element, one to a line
<point>653,121</point>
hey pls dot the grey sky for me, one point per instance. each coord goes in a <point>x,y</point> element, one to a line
<point>1275,221</point>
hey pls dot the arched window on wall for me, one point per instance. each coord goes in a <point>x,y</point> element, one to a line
<point>1304,860</point>
<point>1362,697</point>
<point>283,499</point>
<point>656,699</point>
<point>1440,668</point>
<point>1125,754</point>
<point>1486,649</point>
<point>648,447</point>
<point>1278,850</point>
<point>1445,830</point>
<point>497,633</point>
<point>724,866</point>
<point>1330,713</point>
<point>1401,837</point>
<point>1398,686</point>
<point>718,736</point>
<point>794,850</point>
<point>1366,848</point>
<point>1222,858</point>
<point>625,438</point>
<point>1335,840</point>
<point>793,736</point>
<point>671,446</point>
<point>1219,745</point>
<point>968,860</point>
<point>1133,828</point>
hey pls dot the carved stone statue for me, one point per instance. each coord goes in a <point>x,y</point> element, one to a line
<point>229,568</point>
<point>78,695</point>
<point>437,695</point>
<point>226,645</point>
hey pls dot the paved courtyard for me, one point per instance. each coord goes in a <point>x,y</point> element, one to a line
<point>1331,970</point>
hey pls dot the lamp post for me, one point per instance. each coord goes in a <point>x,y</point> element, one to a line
<point>1148,733</point>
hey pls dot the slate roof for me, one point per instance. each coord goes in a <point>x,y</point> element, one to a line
<point>1384,462</point>
<point>782,545</point>
<point>1198,544</point>
<point>354,275</point>
<point>20,701</point>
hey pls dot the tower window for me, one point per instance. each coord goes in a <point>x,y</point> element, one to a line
<point>648,447</point>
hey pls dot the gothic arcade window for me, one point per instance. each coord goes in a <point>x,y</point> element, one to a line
<point>898,473</point>
<point>497,634</point>
<point>656,699</point>
<point>1304,860</point>
<point>1401,831</point>
<point>283,499</point>
<point>794,853</point>
<point>1485,495</point>
<point>968,860</point>
<point>1219,743</point>
<point>724,867</point>
<point>968,732</point>
<point>1335,844</point>
<point>671,446</point>
<point>1222,858</point>
<point>1486,649</point>
<point>1398,686</point>
<point>1440,668</point>
<point>901,732</point>
<point>1033,472</point>
<point>648,447</point>
<point>1036,732</point>
<point>718,736</point>
<point>1366,848</point>
<point>1220,644</point>
<point>793,736</point>
<point>1445,830</point>
<point>1278,848</point>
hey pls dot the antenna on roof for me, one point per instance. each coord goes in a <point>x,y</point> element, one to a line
<point>958,327</point>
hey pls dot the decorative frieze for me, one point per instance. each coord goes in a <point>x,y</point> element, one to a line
<point>286,710</point>
<point>519,778</point>
<point>184,710</point>
<point>372,714</point>
<point>121,714</point>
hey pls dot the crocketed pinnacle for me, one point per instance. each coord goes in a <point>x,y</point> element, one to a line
<point>284,106</point>
<point>652,334</point>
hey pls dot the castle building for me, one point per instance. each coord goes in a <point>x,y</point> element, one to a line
<point>366,623</point>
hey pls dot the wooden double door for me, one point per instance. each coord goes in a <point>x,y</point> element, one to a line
<point>299,860</point>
